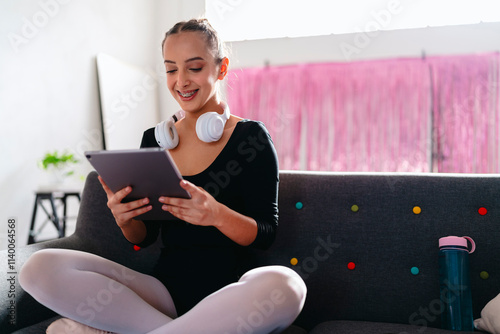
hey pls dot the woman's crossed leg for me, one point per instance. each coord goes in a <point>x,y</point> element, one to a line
<point>105,295</point>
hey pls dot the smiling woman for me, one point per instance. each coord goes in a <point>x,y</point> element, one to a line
<point>203,273</point>
<point>196,59</point>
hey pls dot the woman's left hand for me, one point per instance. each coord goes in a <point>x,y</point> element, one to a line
<point>200,209</point>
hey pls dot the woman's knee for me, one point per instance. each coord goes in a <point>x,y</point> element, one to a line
<point>278,285</point>
<point>40,268</point>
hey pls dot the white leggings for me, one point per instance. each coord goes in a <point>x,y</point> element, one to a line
<point>108,296</point>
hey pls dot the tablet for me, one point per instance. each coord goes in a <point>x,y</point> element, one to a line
<point>150,172</point>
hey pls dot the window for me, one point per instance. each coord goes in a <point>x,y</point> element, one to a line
<point>238,20</point>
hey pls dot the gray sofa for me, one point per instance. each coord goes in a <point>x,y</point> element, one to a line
<point>328,220</point>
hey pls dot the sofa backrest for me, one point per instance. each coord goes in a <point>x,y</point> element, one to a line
<point>356,238</point>
<point>329,220</point>
<point>96,226</point>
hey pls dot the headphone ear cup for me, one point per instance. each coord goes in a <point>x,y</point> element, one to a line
<point>166,135</point>
<point>210,126</point>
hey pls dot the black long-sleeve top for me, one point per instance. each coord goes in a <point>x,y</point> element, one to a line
<point>198,260</point>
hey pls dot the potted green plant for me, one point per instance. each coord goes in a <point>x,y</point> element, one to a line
<point>59,165</point>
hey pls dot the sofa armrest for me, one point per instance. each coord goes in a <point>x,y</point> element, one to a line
<point>96,232</point>
<point>17,308</point>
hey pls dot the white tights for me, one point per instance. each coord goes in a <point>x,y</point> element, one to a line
<point>108,296</point>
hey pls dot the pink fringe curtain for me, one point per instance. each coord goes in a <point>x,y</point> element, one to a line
<point>404,115</point>
<point>466,113</point>
<point>367,116</point>
<point>273,95</point>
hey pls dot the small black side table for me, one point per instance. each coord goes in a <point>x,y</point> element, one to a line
<point>58,222</point>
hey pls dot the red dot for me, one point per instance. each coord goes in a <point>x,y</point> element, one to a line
<point>351,265</point>
<point>482,211</point>
<point>136,248</point>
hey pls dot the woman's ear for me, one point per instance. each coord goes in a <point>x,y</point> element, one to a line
<point>223,68</point>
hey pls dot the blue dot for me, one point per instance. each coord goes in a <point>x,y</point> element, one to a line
<point>415,270</point>
<point>299,205</point>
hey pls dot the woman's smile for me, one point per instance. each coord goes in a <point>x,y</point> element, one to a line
<point>187,95</point>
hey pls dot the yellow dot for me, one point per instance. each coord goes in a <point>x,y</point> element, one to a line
<point>417,210</point>
<point>354,208</point>
<point>294,261</point>
<point>484,275</point>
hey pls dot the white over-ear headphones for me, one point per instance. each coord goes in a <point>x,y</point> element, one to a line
<point>209,128</point>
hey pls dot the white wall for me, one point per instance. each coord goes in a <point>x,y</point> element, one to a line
<point>168,13</point>
<point>465,39</point>
<point>48,83</point>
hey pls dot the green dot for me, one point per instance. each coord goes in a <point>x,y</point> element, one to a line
<point>415,270</point>
<point>354,208</point>
<point>484,275</point>
<point>299,205</point>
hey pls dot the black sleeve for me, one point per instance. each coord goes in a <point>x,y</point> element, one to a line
<point>260,183</point>
<point>152,226</point>
<point>148,139</point>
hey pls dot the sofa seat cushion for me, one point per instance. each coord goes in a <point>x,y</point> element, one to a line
<point>366,327</point>
<point>42,326</point>
<point>38,328</point>
<point>294,330</point>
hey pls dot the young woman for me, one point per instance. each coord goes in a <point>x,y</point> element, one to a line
<point>199,285</point>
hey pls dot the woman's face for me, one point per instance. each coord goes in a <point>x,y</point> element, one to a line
<point>192,73</point>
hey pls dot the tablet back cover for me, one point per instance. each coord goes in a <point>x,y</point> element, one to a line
<point>150,172</point>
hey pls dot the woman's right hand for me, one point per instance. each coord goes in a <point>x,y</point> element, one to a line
<point>124,212</point>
